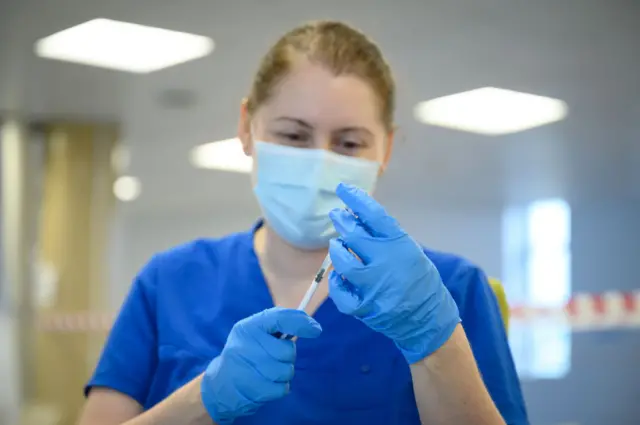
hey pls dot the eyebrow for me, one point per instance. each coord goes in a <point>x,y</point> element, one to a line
<point>309,126</point>
<point>295,120</point>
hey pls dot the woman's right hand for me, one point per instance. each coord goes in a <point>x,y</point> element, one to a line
<point>254,367</point>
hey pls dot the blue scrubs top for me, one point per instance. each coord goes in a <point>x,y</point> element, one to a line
<point>184,302</point>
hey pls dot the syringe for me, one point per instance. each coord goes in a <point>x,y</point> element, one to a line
<point>310,292</point>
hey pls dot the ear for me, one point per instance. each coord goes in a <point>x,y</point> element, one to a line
<point>388,150</point>
<point>244,129</point>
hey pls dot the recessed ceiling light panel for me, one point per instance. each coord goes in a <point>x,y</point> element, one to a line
<point>491,111</point>
<point>225,155</point>
<point>123,46</point>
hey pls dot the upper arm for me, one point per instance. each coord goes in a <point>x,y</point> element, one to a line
<point>129,357</point>
<point>108,407</point>
<point>482,322</point>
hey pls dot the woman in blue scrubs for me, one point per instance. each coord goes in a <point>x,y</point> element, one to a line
<point>398,334</point>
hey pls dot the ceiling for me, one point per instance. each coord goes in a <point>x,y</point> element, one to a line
<point>585,52</point>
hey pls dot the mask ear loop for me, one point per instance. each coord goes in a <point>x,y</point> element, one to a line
<point>252,132</point>
<point>253,147</point>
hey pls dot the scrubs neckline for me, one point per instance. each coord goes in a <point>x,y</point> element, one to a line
<point>260,282</point>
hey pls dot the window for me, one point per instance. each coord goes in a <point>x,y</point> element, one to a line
<point>549,253</point>
<point>537,273</point>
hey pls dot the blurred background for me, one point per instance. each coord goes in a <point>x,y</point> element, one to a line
<point>105,160</point>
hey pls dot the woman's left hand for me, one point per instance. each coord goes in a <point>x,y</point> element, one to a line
<point>391,285</point>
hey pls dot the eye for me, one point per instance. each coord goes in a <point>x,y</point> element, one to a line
<point>351,144</point>
<point>293,138</point>
<point>348,146</point>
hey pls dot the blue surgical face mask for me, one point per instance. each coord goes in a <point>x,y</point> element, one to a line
<point>296,187</point>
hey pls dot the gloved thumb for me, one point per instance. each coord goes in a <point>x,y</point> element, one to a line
<point>343,294</point>
<point>288,321</point>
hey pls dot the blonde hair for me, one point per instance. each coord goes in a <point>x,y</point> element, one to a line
<point>336,45</point>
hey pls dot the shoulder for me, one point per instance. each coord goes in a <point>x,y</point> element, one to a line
<point>464,279</point>
<point>198,254</point>
<point>451,266</point>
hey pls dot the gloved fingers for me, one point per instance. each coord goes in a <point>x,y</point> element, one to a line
<point>279,372</point>
<point>344,295</point>
<point>288,321</point>
<point>269,366</point>
<point>270,391</point>
<point>276,349</point>
<point>268,371</point>
<point>353,233</point>
<point>369,212</point>
<point>345,262</point>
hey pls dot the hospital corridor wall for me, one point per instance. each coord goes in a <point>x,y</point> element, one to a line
<point>56,198</point>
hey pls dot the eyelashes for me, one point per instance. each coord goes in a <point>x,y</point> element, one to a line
<point>346,146</point>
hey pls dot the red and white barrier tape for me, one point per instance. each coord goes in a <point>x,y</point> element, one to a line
<point>76,322</point>
<point>584,312</point>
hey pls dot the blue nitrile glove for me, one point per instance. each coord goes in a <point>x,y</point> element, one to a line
<point>254,367</point>
<point>392,286</point>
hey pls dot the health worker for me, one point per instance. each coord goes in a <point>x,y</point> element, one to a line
<point>397,334</point>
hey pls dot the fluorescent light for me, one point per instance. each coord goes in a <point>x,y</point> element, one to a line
<point>225,155</point>
<point>127,188</point>
<point>123,46</point>
<point>491,111</point>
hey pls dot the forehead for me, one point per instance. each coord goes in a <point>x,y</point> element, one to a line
<point>313,93</point>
